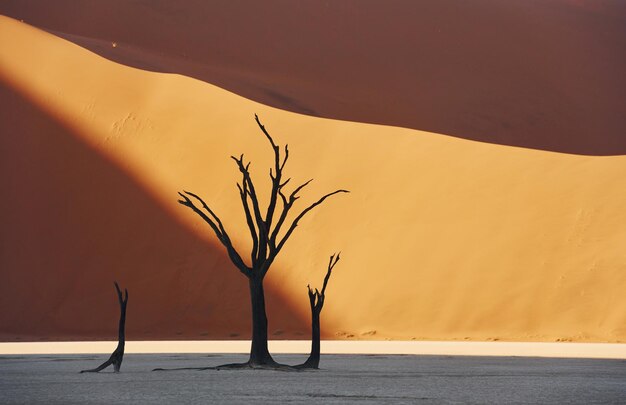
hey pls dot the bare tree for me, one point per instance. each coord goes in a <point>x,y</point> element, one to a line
<point>118,355</point>
<point>269,230</point>
<point>316,299</point>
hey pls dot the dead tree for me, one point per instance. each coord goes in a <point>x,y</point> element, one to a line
<point>118,355</point>
<point>316,299</point>
<point>269,230</point>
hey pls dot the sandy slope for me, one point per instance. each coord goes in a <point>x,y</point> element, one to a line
<point>544,74</point>
<point>442,238</point>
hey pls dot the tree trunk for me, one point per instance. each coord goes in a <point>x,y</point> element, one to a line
<point>118,354</point>
<point>314,358</point>
<point>259,353</point>
<point>316,300</point>
<point>269,231</point>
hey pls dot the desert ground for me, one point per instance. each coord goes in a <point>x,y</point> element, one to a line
<point>486,167</point>
<point>54,379</point>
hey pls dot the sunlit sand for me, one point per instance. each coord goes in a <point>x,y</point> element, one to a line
<point>523,349</point>
<point>442,238</point>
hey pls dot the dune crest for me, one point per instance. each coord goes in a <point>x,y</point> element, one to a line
<point>441,238</point>
<point>544,74</point>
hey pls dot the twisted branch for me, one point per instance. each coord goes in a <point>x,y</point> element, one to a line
<point>263,231</point>
<point>218,228</point>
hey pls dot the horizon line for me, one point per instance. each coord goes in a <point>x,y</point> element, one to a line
<point>363,347</point>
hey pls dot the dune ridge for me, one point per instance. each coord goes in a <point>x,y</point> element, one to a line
<point>441,238</point>
<point>541,74</point>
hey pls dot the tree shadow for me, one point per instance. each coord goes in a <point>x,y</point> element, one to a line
<point>72,221</point>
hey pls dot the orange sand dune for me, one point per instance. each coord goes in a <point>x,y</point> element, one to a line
<point>537,74</point>
<point>441,238</point>
<point>73,222</point>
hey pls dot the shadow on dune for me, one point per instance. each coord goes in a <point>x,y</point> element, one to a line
<point>72,222</point>
<point>542,75</point>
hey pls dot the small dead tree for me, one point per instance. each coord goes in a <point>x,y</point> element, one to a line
<point>118,355</point>
<point>316,299</point>
<point>269,230</point>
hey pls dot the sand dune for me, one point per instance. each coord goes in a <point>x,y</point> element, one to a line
<point>75,222</point>
<point>442,238</point>
<point>541,74</point>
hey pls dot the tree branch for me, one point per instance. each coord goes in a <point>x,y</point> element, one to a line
<point>312,297</point>
<point>263,232</point>
<point>188,203</point>
<point>267,135</point>
<point>282,166</point>
<point>331,265</point>
<point>294,224</point>
<point>243,193</point>
<point>275,176</point>
<point>287,204</point>
<point>218,228</point>
<point>244,169</point>
<point>255,207</point>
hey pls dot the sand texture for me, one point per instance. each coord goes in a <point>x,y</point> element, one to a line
<point>343,379</point>
<point>441,237</point>
<point>539,74</point>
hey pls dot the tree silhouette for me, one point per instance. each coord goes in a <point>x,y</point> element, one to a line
<point>269,231</point>
<point>316,299</point>
<point>118,355</point>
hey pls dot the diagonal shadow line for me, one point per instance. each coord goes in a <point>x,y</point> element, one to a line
<point>72,222</point>
<point>486,77</point>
